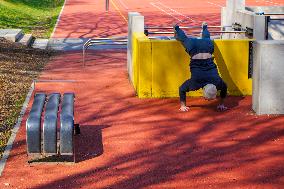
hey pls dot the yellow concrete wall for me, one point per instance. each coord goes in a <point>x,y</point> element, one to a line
<point>161,66</point>
<point>142,65</point>
<point>231,58</point>
<point>169,67</point>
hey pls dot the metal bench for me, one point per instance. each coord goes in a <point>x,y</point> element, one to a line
<point>40,149</point>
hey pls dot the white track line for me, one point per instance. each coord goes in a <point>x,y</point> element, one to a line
<point>153,4</point>
<point>211,3</point>
<point>15,130</point>
<point>176,11</point>
<point>123,4</point>
<point>271,2</point>
<point>267,2</point>
<point>58,19</point>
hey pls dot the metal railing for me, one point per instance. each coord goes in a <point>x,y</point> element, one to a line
<point>103,41</point>
<point>199,32</point>
<point>274,14</point>
<point>184,27</point>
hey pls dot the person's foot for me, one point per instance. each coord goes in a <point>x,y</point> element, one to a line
<point>221,107</point>
<point>184,108</point>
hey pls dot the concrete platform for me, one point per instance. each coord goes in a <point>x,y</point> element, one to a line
<point>26,39</point>
<point>40,44</point>
<point>76,44</point>
<point>11,34</point>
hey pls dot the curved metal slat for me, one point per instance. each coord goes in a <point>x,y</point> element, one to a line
<point>33,124</point>
<point>50,124</point>
<point>67,124</point>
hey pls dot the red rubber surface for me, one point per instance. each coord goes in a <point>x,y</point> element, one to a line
<point>131,143</point>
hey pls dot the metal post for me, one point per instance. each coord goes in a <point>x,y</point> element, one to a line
<point>107,5</point>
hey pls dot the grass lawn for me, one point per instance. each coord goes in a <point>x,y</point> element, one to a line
<point>33,16</point>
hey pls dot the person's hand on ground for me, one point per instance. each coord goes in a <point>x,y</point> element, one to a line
<point>184,108</point>
<point>222,107</point>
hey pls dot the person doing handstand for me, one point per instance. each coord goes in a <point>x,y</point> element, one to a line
<point>204,73</point>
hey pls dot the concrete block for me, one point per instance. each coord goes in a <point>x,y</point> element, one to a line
<point>40,44</point>
<point>276,29</point>
<point>26,39</point>
<point>129,42</point>
<point>3,32</point>
<point>229,15</point>
<point>66,44</point>
<point>259,27</point>
<point>224,21</point>
<point>232,7</point>
<point>266,9</point>
<point>135,24</point>
<point>245,18</point>
<point>268,77</point>
<point>11,34</point>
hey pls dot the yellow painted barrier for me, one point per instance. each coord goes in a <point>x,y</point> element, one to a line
<point>169,67</point>
<point>161,66</point>
<point>232,59</point>
<point>142,65</point>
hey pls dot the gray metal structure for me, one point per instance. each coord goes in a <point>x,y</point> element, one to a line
<point>199,32</point>
<point>50,125</point>
<point>33,125</point>
<point>115,41</point>
<point>67,124</point>
<point>45,144</point>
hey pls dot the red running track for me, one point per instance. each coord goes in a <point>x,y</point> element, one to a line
<point>132,143</point>
<point>87,18</point>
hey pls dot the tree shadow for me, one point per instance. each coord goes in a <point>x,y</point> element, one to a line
<point>89,144</point>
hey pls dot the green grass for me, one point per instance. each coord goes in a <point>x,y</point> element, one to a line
<point>33,16</point>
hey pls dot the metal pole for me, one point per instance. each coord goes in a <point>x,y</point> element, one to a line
<point>107,5</point>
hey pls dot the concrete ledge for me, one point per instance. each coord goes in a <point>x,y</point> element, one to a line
<point>40,44</point>
<point>268,77</point>
<point>26,39</point>
<point>76,44</point>
<point>11,34</point>
<point>276,29</point>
